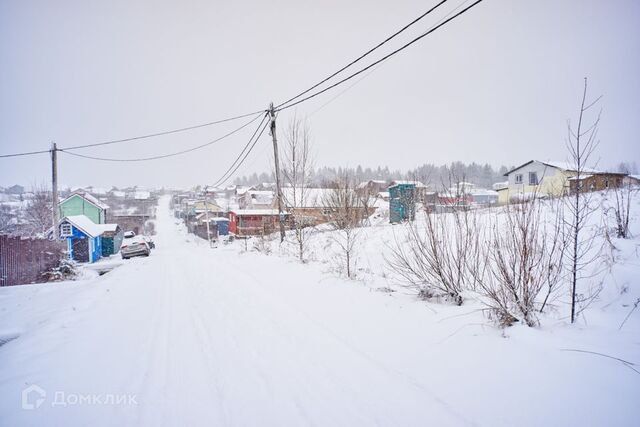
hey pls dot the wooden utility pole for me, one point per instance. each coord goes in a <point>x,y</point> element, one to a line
<point>54,192</point>
<point>272,113</point>
<point>206,210</point>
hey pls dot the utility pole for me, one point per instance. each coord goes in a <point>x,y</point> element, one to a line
<point>206,210</point>
<point>272,113</point>
<point>54,191</point>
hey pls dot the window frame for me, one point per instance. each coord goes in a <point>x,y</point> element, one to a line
<point>66,230</point>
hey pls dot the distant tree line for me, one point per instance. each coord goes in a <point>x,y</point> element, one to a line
<point>434,175</point>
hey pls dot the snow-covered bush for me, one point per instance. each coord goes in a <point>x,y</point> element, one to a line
<point>66,269</point>
<point>263,244</point>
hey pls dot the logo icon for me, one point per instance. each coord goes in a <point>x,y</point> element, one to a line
<point>33,396</point>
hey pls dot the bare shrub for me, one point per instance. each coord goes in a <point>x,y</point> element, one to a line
<point>263,244</point>
<point>621,209</point>
<point>438,260</point>
<point>524,255</point>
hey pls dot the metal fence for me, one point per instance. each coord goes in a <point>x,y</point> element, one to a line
<point>25,260</point>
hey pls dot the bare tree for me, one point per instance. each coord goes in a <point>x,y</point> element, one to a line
<point>581,145</point>
<point>38,210</point>
<point>345,211</point>
<point>621,209</point>
<point>524,254</point>
<point>6,219</point>
<point>297,171</point>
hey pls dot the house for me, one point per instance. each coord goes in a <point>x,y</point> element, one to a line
<point>632,180</point>
<point>83,237</point>
<point>402,201</point>
<point>456,196</point>
<point>254,222</point>
<point>549,178</point>
<point>14,189</point>
<point>372,186</point>
<point>309,206</point>
<point>196,212</point>
<point>141,195</point>
<point>83,203</point>
<point>137,222</point>
<point>256,199</point>
<point>596,181</point>
<point>204,206</point>
<point>503,195</point>
<point>484,197</point>
<point>112,235</point>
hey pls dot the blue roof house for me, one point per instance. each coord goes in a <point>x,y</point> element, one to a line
<point>83,236</point>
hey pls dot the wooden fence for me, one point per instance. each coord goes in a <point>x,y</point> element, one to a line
<point>24,261</point>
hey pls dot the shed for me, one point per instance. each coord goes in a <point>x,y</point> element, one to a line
<point>112,236</point>
<point>223,225</point>
<point>402,202</point>
<point>83,236</point>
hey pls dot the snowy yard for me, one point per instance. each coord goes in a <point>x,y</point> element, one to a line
<point>200,336</point>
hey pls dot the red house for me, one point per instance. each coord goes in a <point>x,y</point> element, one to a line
<point>253,222</point>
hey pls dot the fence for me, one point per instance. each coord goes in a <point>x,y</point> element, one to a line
<point>24,261</point>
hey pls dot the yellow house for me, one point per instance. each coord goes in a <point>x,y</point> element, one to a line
<point>200,206</point>
<point>549,178</point>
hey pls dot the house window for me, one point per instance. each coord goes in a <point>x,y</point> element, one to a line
<point>65,230</point>
<point>533,178</point>
<point>519,178</point>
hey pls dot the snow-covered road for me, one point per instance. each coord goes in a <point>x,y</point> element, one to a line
<point>200,336</point>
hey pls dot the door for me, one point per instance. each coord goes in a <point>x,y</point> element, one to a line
<point>81,250</point>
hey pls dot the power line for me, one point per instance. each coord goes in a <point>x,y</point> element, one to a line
<point>373,64</point>
<point>242,152</point>
<point>245,156</point>
<point>342,92</point>
<point>135,138</point>
<point>167,132</point>
<point>280,106</point>
<point>163,156</point>
<point>24,154</point>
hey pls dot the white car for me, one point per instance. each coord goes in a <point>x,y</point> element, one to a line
<point>134,246</point>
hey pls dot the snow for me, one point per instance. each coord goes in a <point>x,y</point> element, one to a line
<point>83,223</point>
<point>313,197</point>
<point>141,195</point>
<point>202,336</point>
<point>241,212</point>
<point>418,184</point>
<point>108,227</point>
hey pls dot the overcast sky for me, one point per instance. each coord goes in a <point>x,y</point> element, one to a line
<point>494,86</point>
